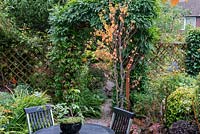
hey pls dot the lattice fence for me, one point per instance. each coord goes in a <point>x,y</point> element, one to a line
<point>17,65</point>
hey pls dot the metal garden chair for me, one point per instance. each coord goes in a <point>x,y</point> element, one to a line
<point>39,117</point>
<point>121,121</point>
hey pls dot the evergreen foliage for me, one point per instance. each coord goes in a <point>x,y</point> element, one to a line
<point>179,106</point>
<point>192,60</point>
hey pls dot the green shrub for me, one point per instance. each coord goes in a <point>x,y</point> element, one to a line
<point>88,98</point>
<point>6,98</point>
<point>90,103</point>
<point>179,105</point>
<point>22,90</point>
<point>12,109</point>
<point>192,60</point>
<point>96,78</point>
<point>150,102</point>
<point>85,99</point>
<point>4,117</point>
<point>87,102</point>
<point>64,110</point>
<point>145,104</point>
<point>197,101</point>
<point>8,30</point>
<point>18,120</point>
<point>165,84</point>
<point>91,97</point>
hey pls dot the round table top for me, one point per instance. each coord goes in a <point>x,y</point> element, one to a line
<point>85,129</point>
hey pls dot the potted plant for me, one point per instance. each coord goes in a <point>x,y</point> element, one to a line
<point>69,114</point>
<point>70,125</point>
<point>71,120</point>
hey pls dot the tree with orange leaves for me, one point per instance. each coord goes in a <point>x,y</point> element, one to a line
<point>174,2</point>
<point>116,36</point>
<point>126,35</point>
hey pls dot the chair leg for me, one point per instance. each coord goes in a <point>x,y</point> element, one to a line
<point>112,121</point>
<point>29,125</point>
<point>129,126</point>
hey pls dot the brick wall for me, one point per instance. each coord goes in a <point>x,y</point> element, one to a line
<point>198,21</point>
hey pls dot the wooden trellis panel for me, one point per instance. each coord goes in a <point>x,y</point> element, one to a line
<point>17,65</point>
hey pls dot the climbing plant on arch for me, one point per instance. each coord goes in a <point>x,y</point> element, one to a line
<point>72,25</point>
<point>70,30</point>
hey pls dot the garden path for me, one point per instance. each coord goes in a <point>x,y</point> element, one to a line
<point>106,115</point>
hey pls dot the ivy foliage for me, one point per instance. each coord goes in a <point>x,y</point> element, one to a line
<point>192,60</point>
<point>70,29</point>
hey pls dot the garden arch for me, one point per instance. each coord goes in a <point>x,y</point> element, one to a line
<point>71,27</point>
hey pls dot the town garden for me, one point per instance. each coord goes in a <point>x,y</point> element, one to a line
<point>64,53</point>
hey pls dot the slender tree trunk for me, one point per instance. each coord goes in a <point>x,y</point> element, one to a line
<point>128,89</point>
<point>128,70</point>
<point>121,78</point>
<point>122,70</point>
<point>116,83</point>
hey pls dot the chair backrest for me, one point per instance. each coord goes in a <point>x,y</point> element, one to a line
<point>121,121</point>
<point>39,117</point>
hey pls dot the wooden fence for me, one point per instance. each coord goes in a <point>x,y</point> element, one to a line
<point>17,65</point>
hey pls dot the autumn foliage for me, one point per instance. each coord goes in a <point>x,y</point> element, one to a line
<point>173,2</point>
<point>116,36</point>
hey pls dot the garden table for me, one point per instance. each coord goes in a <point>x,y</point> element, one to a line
<point>85,129</point>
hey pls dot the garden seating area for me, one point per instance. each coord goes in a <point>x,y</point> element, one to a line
<point>98,67</point>
<point>40,121</point>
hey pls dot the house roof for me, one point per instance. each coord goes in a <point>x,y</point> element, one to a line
<point>191,5</point>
